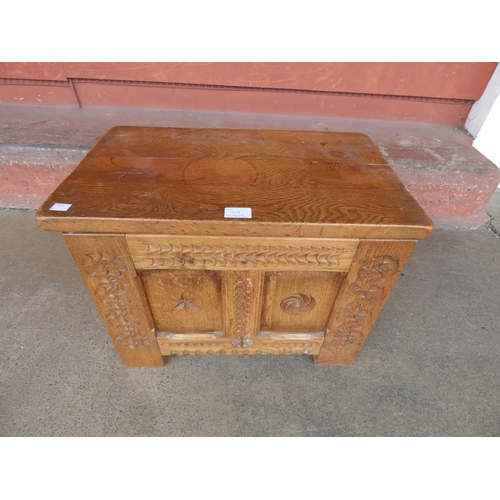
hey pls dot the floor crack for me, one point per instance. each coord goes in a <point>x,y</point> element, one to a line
<point>491,228</point>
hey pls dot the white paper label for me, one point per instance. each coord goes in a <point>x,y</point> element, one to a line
<point>60,207</point>
<point>237,213</point>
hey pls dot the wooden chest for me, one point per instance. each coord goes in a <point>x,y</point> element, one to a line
<point>203,241</point>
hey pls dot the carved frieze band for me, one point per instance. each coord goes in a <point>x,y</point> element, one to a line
<point>252,257</point>
<point>187,255</point>
<point>239,346</point>
<point>111,285</point>
<point>369,290</point>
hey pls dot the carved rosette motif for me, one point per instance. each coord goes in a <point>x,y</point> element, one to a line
<point>297,304</point>
<point>184,255</point>
<point>372,273</point>
<point>112,284</point>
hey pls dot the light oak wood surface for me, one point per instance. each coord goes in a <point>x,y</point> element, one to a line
<point>330,230</point>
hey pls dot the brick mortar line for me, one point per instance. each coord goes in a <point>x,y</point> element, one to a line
<point>41,83</point>
<point>44,148</point>
<point>200,86</point>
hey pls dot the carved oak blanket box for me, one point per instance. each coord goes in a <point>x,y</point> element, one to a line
<point>203,241</point>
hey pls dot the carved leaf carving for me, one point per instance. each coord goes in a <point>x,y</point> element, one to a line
<point>243,291</point>
<point>242,342</point>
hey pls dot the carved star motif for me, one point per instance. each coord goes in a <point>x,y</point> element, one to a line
<point>184,303</point>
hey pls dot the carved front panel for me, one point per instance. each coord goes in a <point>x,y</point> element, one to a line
<point>184,300</point>
<point>222,312</point>
<point>298,302</point>
<point>243,310</point>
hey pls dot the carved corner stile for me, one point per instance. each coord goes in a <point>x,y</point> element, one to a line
<point>374,272</point>
<point>109,275</point>
<point>368,290</point>
<point>111,284</point>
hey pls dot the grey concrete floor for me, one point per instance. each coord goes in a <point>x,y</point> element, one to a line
<point>431,366</point>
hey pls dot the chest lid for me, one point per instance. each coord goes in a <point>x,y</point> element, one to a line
<point>235,182</point>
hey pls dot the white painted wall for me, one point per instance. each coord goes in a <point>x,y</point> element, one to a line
<point>488,139</point>
<point>483,121</point>
<point>479,112</point>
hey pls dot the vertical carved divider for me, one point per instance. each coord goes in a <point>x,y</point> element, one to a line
<point>375,269</point>
<point>242,305</point>
<point>108,272</point>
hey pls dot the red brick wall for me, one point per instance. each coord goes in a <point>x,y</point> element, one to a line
<point>428,92</point>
